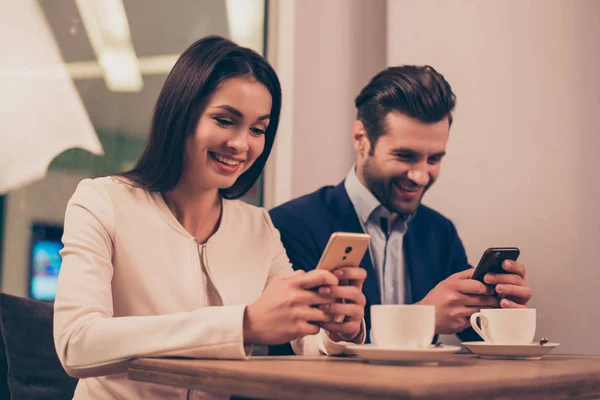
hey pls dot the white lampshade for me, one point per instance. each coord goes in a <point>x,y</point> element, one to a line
<point>41,114</point>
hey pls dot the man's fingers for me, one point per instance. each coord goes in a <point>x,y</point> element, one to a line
<point>460,318</point>
<point>505,303</point>
<point>481,301</point>
<point>466,312</point>
<point>471,286</point>
<point>522,293</point>
<point>512,279</point>
<point>514,267</point>
<point>315,278</point>
<point>466,274</point>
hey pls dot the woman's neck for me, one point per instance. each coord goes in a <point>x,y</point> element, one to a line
<point>198,211</point>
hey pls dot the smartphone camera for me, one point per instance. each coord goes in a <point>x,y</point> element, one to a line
<point>348,250</point>
<point>497,254</point>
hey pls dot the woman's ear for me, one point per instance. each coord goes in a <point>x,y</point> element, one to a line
<point>360,140</point>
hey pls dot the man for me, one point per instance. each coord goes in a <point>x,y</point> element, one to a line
<point>415,256</point>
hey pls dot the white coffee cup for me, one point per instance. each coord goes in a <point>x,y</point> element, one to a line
<point>402,326</point>
<point>505,325</point>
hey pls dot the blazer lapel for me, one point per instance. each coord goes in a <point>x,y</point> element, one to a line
<point>417,262</point>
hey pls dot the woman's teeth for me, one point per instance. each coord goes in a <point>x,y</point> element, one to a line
<point>225,160</point>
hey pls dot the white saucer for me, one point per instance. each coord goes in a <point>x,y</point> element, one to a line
<point>531,351</point>
<point>395,355</point>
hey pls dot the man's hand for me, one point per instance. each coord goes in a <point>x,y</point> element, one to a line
<point>511,287</point>
<point>350,289</point>
<point>455,299</point>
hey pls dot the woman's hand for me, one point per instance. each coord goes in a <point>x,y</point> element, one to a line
<point>288,308</point>
<point>353,307</point>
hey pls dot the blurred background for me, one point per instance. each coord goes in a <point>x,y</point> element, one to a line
<point>79,80</point>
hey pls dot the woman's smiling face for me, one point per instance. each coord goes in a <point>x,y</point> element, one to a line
<point>229,135</point>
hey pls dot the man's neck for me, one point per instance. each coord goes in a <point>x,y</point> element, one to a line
<point>393,215</point>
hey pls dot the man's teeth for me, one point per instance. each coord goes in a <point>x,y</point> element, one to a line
<point>407,188</point>
<point>225,160</point>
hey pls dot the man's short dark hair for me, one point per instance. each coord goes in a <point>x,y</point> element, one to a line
<point>417,91</point>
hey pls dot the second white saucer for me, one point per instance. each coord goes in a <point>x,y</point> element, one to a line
<point>373,353</point>
<point>531,351</point>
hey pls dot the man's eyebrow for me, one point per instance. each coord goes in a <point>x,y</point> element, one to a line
<point>406,150</point>
<point>403,150</point>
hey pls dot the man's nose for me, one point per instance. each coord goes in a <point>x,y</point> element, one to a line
<point>420,176</point>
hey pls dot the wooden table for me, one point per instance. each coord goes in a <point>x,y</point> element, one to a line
<point>460,377</point>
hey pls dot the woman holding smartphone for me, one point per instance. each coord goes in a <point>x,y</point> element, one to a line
<point>163,261</point>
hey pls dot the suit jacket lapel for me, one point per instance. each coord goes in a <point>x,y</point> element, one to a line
<point>417,262</point>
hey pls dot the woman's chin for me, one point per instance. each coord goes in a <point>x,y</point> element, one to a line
<point>224,183</point>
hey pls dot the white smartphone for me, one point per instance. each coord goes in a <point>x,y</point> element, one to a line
<point>344,249</point>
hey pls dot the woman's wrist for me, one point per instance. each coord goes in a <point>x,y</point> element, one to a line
<point>249,334</point>
<point>339,337</point>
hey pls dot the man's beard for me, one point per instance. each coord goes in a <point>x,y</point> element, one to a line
<point>383,188</point>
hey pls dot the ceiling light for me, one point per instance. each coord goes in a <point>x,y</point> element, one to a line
<point>107,28</point>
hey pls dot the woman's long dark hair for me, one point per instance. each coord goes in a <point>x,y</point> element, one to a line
<point>197,73</point>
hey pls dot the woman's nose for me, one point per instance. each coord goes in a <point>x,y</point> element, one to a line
<point>239,142</point>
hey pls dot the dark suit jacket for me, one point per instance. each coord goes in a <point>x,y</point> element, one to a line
<point>431,247</point>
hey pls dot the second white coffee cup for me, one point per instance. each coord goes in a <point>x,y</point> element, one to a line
<point>402,325</point>
<point>505,325</point>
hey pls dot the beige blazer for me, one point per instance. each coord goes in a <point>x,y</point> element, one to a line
<point>135,283</point>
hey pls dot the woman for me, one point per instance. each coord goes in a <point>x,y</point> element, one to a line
<point>163,261</point>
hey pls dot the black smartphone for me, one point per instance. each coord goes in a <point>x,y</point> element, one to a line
<point>491,261</point>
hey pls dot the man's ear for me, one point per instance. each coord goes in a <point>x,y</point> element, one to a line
<point>360,140</point>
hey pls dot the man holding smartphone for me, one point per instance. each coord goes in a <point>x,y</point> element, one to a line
<point>403,123</point>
